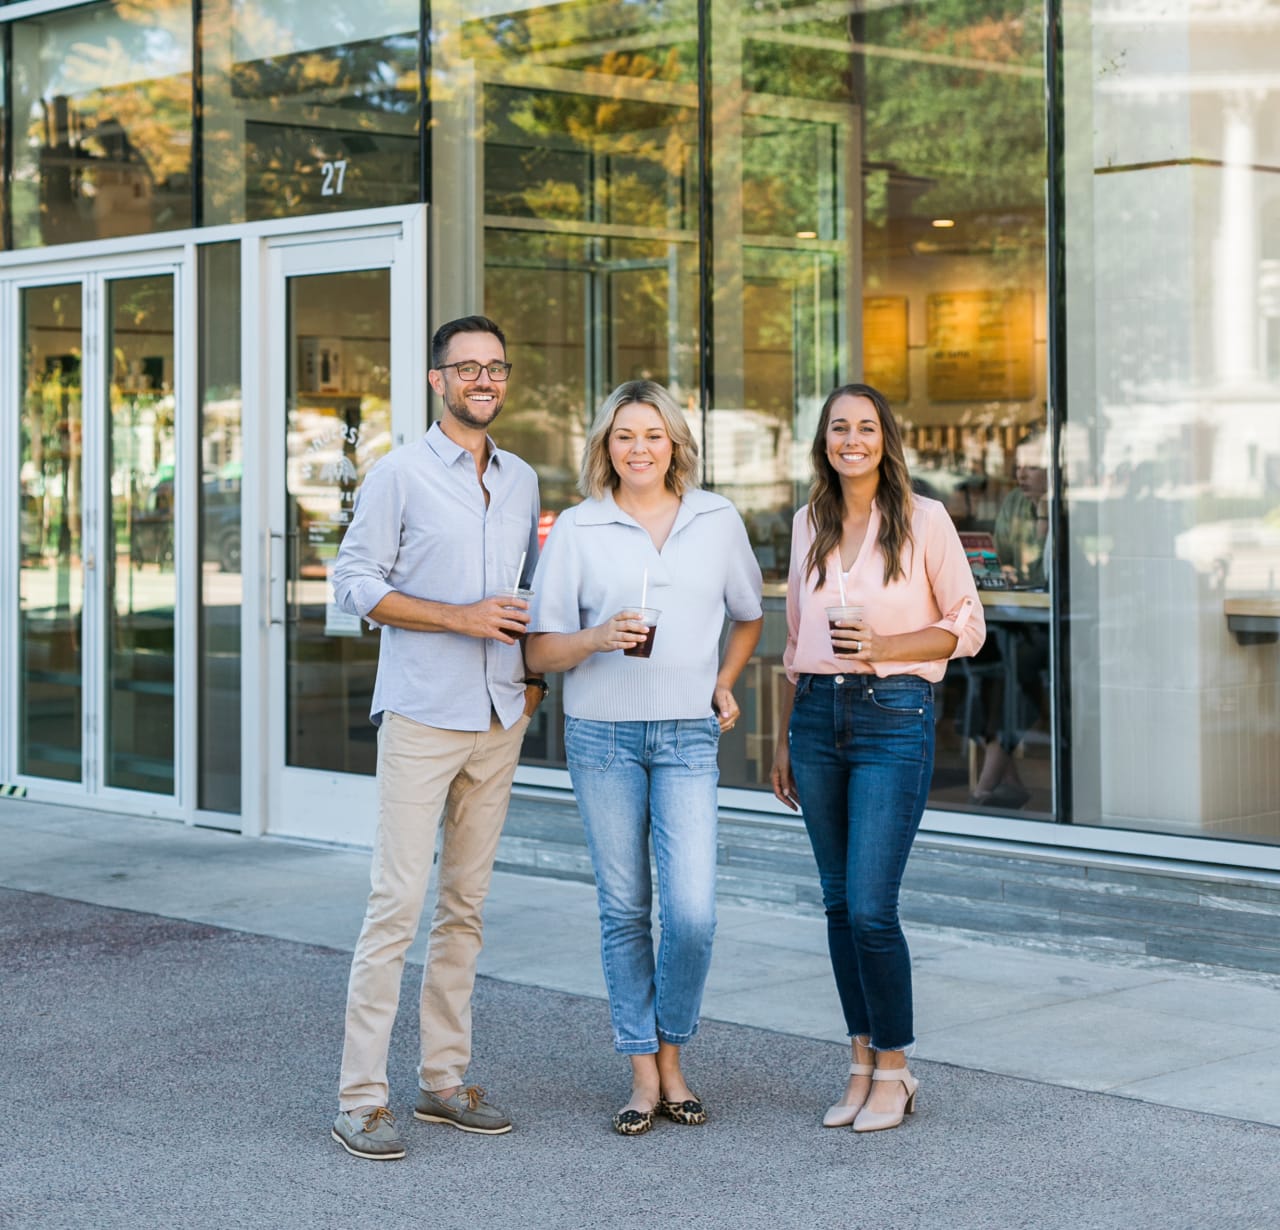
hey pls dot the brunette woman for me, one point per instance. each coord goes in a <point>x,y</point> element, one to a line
<point>855,748</point>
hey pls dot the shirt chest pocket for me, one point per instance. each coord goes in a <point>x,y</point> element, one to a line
<point>507,534</point>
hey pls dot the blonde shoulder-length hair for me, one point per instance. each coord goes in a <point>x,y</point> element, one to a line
<point>597,474</point>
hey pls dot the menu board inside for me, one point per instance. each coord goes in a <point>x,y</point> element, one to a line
<point>884,345</point>
<point>981,345</point>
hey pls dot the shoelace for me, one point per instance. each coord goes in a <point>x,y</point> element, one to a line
<point>473,1094</point>
<point>376,1116</point>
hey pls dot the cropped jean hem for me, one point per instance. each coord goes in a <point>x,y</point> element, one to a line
<point>649,1046</point>
<point>646,1046</point>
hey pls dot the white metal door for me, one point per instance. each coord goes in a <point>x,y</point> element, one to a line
<point>101,423</point>
<point>346,382</point>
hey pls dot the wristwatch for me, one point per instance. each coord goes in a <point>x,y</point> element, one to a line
<point>541,684</point>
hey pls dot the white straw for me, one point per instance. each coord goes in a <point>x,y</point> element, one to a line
<point>644,587</point>
<point>520,569</point>
<point>840,579</point>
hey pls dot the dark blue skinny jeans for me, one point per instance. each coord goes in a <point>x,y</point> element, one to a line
<point>862,757</point>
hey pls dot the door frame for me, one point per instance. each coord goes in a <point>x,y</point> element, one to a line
<point>277,799</point>
<point>92,273</point>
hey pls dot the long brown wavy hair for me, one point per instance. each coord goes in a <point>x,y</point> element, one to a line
<point>893,495</point>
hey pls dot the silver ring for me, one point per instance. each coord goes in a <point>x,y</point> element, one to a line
<point>857,646</point>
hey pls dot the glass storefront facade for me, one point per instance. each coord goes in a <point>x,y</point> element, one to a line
<point>1050,236</point>
<point>1170,433</point>
<point>810,217</point>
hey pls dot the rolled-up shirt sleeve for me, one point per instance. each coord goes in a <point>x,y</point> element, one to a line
<point>370,546</point>
<point>954,589</point>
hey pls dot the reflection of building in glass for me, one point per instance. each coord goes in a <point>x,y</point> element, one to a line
<point>1175,416</point>
<point>88,170</point>
<point>102,123</point>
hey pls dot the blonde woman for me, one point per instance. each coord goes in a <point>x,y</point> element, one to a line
<point>642,732</point>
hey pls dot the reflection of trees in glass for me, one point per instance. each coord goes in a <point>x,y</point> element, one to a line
<point>616,150</point>
<point>789,179</point>
<point>278,108</point>
<point>951,97</point>
<point>105,98</point>
<point>589,117</point>
<point>576,156</point>
<point>582,314</point>
<point>813,61</point>
<point>976,135</point>
<point>560,33</point>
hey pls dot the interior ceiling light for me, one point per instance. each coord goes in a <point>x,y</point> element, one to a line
<point>943,223</point>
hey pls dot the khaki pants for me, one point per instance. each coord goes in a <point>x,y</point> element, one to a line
<point>423,773</point>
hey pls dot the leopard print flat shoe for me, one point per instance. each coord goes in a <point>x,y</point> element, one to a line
<point>690,1113</point>
<point>632,1122</point>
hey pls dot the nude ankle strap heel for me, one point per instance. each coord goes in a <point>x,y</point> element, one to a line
<point>877,1121</point>
<point>841,1115</point>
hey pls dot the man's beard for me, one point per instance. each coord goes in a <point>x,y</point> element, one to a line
<point>462,412</point>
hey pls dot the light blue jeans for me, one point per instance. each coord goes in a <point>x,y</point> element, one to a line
<point>633,780</point>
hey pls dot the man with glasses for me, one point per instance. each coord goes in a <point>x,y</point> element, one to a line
<point>441,527</point>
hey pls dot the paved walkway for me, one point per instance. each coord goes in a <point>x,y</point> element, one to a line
<point>166,1075</point>
<point>1199,1038</point>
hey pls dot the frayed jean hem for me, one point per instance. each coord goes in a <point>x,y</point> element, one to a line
<point>646,1046</point>
<point>908,1049</point>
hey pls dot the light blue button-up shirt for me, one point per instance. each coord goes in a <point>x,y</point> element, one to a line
<point>421,527</point>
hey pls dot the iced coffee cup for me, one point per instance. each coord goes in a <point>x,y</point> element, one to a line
<point>515,591</point>
<point>837,615</point>
<point>649,617</point>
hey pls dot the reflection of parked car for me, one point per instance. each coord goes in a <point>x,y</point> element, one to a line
<point>221,516</point>
<point>151,527</point>
<point>152,530</point>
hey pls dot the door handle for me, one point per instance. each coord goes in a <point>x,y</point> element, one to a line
<point>275,584</point>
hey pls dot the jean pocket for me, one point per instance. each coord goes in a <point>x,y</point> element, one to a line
<point>698,743</point>
<point>588,745</point>
<point>903,702</point>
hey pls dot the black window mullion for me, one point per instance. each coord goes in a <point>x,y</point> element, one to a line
<point>1059,570</point>
<point>424,100</point>
<point>706,272</point>
<point>6,171</point>
<point>197,113</point>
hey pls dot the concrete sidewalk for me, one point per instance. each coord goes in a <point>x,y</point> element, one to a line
<point>1195,1037</point>
<point>167,1075</point>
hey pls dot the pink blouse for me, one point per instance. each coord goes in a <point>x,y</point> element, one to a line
<point>937,592</point>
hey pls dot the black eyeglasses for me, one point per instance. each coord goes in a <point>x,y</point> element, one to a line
<point>497,371</point>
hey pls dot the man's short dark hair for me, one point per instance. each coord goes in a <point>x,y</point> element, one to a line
<point>464,324</point>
